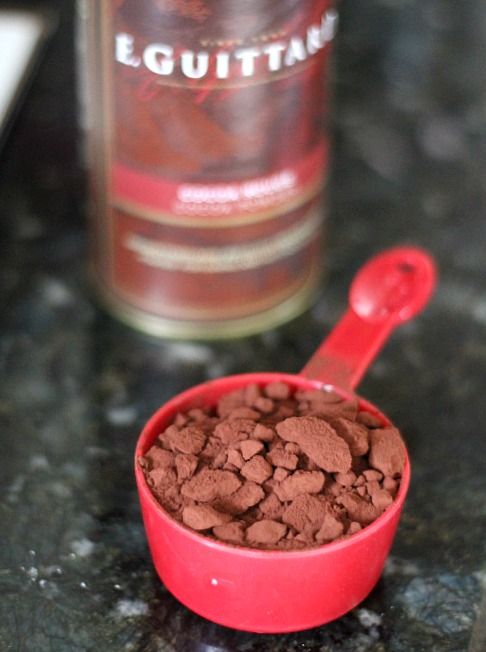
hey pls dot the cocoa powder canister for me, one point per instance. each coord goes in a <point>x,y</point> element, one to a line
<point>207,150</point>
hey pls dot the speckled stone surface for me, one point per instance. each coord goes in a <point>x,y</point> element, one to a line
<point>409,166</point>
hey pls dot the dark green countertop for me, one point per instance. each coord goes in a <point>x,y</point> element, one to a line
<point>409,166</point>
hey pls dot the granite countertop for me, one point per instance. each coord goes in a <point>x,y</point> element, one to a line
<point>408,166</point>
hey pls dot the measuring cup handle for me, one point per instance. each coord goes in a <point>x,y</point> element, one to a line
<point>389,290</point>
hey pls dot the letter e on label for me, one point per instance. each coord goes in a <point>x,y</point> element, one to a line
<point>124,50</point>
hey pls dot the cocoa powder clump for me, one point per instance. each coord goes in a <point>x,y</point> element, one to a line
<point>185,465</point>
<point>281,457</point>
<point>300,482</point>
<point>305,513</point>
<point>189,440</point>
<point>210,484</point>
<point>159,458</point>
<point>257,469</point>
<point>230,532</point>
<point>273,468</point>
<point>266,532</point>
<point>318,440</point>
<point>387,451</point>
<point>203,517</point>
<point>331,528</point>
<point>250,447</point>
<point>241,500</point>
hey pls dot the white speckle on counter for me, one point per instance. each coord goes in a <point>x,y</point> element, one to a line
<point>369,618</point>
<point>478,311</point>
<point>97,452</point>
<point>32,572</point>
<point>189,352</point>
<point>481,578</point>
<point>15,489</point>
<point>38,462</point>
<point>49,589</point>
<point>379,370</point>
<point>396,566</point>
<point>383,149</point>
<point>217,369</point>
<point>82,547</point>
<point>131,608</point>
<point>122,415</point>
<point>56,293</point>
<point>74,470</point>
<point>443,139</point>
<point>60,490</point>
<point>52,571</point>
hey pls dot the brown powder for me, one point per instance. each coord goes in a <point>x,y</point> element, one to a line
<point>263,433</point>
<point>381,499</point>
<point>387,451</point>
<point>230,402</point>
<point>305,513</point>
<point>354,434</point>
<point>264,405</point>
<point>235,458</point>
<point>160,458</point>
<point>203,517</point>
<point>271,507</point>
<point>353,528</point>
<point>243,413</point>
<point>234,430</point>
<point>266,531</point>
<point>281,457</point>
<point>188,440</point>
<point>331,528</point>
<point>319,441</point>
<point>345,479</point>
<point>246,496</point>
<point>231,532</point>
<point>300,482</point>
<point>250,447</point>
<point>277,390</point>
<point>280,474</point>
<point>271,468</point>
<point>390,485</point>
<point>208,485</point>
<point>257,469</point>
<point>369,420</point>
<point>185,465</point>
<point>358,508</point>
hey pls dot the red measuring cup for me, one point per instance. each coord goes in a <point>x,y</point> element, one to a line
<point>281,591</point>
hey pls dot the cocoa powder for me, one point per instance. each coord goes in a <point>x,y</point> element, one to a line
<point>272,468</point>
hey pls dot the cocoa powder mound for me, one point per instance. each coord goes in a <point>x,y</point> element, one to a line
<point>273,468</point>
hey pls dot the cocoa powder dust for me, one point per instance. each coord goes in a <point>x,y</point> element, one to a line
<point>273,468</point>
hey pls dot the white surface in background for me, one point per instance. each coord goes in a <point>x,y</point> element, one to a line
<point>20,33</point>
